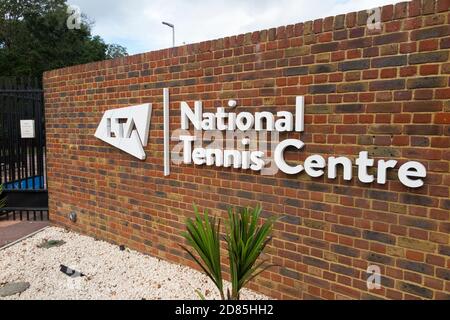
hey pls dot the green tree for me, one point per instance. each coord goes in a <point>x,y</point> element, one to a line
<point>115,51</point>
<point>34,38</point>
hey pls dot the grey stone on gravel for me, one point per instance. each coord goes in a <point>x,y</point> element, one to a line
<point>11,289</point>
<point>48,244</point>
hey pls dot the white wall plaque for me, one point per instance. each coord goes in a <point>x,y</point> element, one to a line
<point>27,130</point>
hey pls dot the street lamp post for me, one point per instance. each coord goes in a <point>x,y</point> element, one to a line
<point>170,25</point>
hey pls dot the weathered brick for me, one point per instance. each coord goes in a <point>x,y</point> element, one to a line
<point>315,243</point>
<point>443,6</point>
<point>382,195</point>
<point>416,267</point>
<point>349,108</point>
<point>297,71</point>
<point>352,87</point>
<point>146,73</point>
<point>348,231</point>
<point>418,223</point>
<point>345,251</point>
<point>354,65</point>
<point>313,224</point>
<point>316,281</point>
<point>379,237</point>
<point>422,106</point>
<point>339,21</point>
<point>324,88</point>
<point>390,38</point>
<point>385,128</point>
<point>428,7</point>
<point>175,69</point>
<point>442,118</point>
<point>443,274</point>
<point>293,202</point>
<point>428,57</point>
<point>416,244</point>
<point>393,61</point>
<point>435,32</point>
<point>383,152</point>
<point>291,220</point>
<point>338,268</point>
<point>325,47</point>
<point>446,204</point>
<point>401,10</point>
<point>323,68</point>
<point>384,108</point>
<point>423,130</point>
<point>294,52</point>
<point>416,290</point>
<point>289,237</point>
<point>319,109</point>
<point>357,43</point>
<point>133,74</point>
<point>290,274</point>
<point>379,258</point>
<point>382,85</point>
<point>365,140</point>
<point>427,82</point>
<point>245,194</point>
<point>318,187</point>
<point>318,206</point>
<point>444,250</point>
<point>445,43</point>
<point>340,35</point>
<point>315,262</point>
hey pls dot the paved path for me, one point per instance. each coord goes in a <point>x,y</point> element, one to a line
<point>11,231</point>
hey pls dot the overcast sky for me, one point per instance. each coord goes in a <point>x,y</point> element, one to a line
<point>136,24</point>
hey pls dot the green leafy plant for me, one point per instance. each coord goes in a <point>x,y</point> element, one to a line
<point>245,238</point>
<point>203,234</point>
<point>2,200</point>
<point>246,241</point>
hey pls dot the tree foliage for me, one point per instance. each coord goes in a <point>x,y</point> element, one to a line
<point>34,38</point>
<point>116,51</point>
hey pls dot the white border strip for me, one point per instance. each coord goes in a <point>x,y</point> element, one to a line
<point>166,132</point>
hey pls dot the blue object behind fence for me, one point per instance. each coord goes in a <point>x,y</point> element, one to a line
<point>26,184</point>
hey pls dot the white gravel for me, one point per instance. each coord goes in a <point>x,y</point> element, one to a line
<point>110,273</point>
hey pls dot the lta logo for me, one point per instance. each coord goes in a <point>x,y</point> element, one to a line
<point>127,129</point>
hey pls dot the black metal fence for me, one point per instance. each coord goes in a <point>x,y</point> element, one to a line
<point>22,149</point>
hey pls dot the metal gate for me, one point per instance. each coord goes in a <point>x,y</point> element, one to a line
<point>22,149</point>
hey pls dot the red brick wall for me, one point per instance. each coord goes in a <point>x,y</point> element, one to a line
<point>384,92</point>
